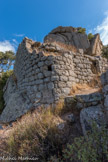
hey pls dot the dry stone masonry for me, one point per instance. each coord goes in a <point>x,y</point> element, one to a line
<point>44,73</point>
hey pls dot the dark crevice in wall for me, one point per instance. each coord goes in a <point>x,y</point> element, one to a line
<point>49,68</point>
<point>94,67</point>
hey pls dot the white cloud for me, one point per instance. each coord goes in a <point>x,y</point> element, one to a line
<point>6,46</point>
<point>103,29</point>
<point>19,35</point>
<point>14,40</point>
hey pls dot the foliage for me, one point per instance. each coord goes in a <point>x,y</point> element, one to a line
<point>90,36</point>
<point>3,78</point>
<point>6,60</point>
<point>36,135</point>
<point>81,30</point>
<point>105,51</point>
<point>90,148</point>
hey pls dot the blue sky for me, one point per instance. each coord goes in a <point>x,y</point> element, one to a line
<point>36,18</point>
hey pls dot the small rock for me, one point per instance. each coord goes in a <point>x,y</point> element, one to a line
<point>70,118</point>
<point>61,126</point>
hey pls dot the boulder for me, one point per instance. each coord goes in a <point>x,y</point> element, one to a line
<point>9,88</point>
<point>95,46</point>
<point>68,35</point>
<point>84,100</point>
<point>71,36</point>
<point>16,106</point>
<point>104,78</point>
<point>90,115</point>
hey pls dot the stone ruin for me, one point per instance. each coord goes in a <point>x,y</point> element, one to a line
<point>46,72</point>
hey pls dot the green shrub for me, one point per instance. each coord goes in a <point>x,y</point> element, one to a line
<point>3,78</point>
<point>105,51</point>
<point>82,30</point>
<point>90,148</point>
<point>90,36</point>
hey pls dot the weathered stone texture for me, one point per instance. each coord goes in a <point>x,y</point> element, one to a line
<point>71,36</point>
<point>46,72</point>
<point>95,46</point>
<point>68,35</point>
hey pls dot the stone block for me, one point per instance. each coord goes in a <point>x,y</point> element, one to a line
<point>38,95</point>
<point>40,75</point>
<point>55,78</point>
<point>41,87</point>
<point>63,78</point>
<point>90,115</point>
<point>66,91</point>
<point>48,79</point>
<point>47,62</point>
<point>40,81</point>
<point>40,64</point>
<point>47,73</point>
<point>50,85</point>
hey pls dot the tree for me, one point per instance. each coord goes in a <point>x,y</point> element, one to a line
<point>6,60</point>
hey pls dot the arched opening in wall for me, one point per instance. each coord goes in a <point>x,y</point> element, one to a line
<point>49,68</point>
<point>94,67</point>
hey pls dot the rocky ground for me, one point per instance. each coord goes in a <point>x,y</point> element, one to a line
<point>6,129</point>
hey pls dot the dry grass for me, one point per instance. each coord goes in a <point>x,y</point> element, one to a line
<point>35,135</point>
<point>63,47</point>
<point>78,87</point>
<point>94,85</point>
<point>96,82</point>
<point>66,47</point>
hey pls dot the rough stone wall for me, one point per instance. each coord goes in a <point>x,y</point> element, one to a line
<point>86,67</point>
<point>43,74</point>
<point>82,69</point>
<point>43,78</point>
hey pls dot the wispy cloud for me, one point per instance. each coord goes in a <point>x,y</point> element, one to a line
<point>103,29</point>
<point>6,46</point>
<point>19,35</point>
<point>15,41</point>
